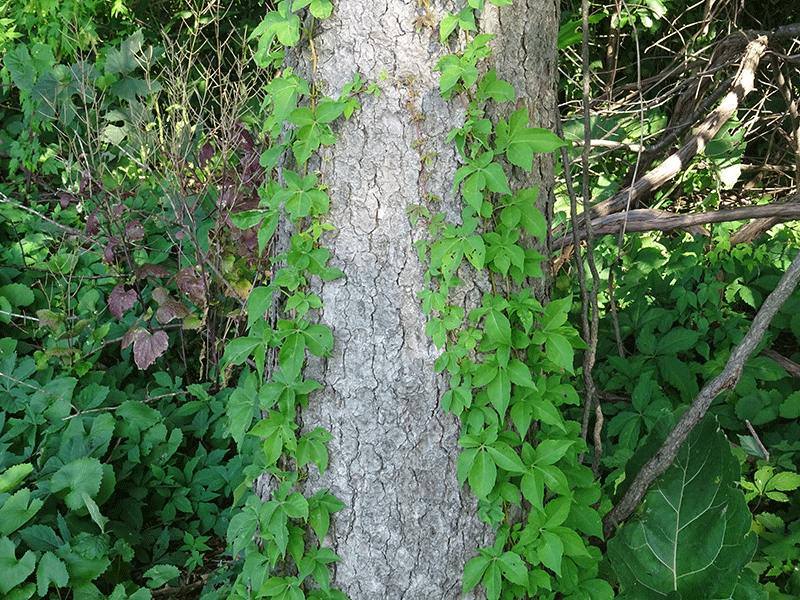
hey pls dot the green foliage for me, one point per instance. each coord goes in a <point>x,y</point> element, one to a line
<point>114,480</point>
<point>691,536</point>
<point>508,358</point>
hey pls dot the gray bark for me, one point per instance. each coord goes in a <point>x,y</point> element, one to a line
<point>407,530</point>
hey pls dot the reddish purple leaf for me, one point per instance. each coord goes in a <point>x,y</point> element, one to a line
<point>130,336</point>
<point>134,230</point>
<point>92,225</point>
<point>191,284</point>
<point>170,310</point>
<point>119,301</point>
<point>246,141</point>
<point>147,348</point>
<point>108,252</point>
<point>206,154</point>
<point>149,269</point>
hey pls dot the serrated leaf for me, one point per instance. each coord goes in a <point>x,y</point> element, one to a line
<point>559,351</point>
<point>785,481</point>
<point>161,574</point>
<point>81,476</point>
<point>513,568</point>
<point>18,510</point>
<point>676,340</point>
<point>14,571</point>
<point>692,536</point>
<point>51,570</point>
<point>473,572</point>
<point>11,477</point>
<point>482,475</point>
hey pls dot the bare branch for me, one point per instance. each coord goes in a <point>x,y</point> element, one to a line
<point>677,162</point>
<point>650,219</point>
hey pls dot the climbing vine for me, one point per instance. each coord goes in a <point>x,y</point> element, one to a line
<point>509,359</point>
<point>272,536</point>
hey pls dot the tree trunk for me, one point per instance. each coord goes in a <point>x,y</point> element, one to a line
<point>408,529</point>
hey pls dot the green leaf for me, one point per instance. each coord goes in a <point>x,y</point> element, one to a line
<point>446,27</point>
<point>17,294</point>
<point>549,452</point>
<point>292,355</point>
<point>473,572</point>
<point>81,476</point>
<point>559,351</point>
<point>51,569</point>
<point>693,534</point>
<point>785,481</point>
<point>321,9</point>
<point>499,390</point>
<point>11,477</point>
<point>498,328</point>
<point>18,510</point>
<point>496,180</point>
<point>676,340</point>
<point>161,574</point>
<point>520,141</point>
<point>497,90</point>
<point>513,568</point>
<point>14,571</point>
<point>243,524</point>
<point>239,349</point>
<point>550,551</point>
<point>506,458</point>
<point>483,474</point>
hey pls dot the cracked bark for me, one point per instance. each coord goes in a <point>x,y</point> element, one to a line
<point>407,530</point>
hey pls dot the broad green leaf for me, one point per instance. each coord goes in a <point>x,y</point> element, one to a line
<point>692,535</point>
<point>292,355</point>
<point>506,458</point>
<point>81,476</point>
<point>499,390</point>
<point>513,568</point>
<point>497,90</point>
<point>13,571</point>
<point>498,328</point>
<point>676,340</point>
<point>559,351</point>
<point>11,477</point>
<point>473,571</point>
<point>17,294</point>
<point>239,349</point>
<point>258,303</point>
<point>532,486</point>
<point>520,141</point>
<point>550,551</point>
<point>51,570</point>
<point>18,510</point>
<point>549,452</point>
<point>243,524</point>
<point>483,474</point>
<point>161,574</point>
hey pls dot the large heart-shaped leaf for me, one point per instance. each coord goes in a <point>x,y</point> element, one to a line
<point>691,538</point>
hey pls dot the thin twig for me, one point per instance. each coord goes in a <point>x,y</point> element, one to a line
<point>761,447</point>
